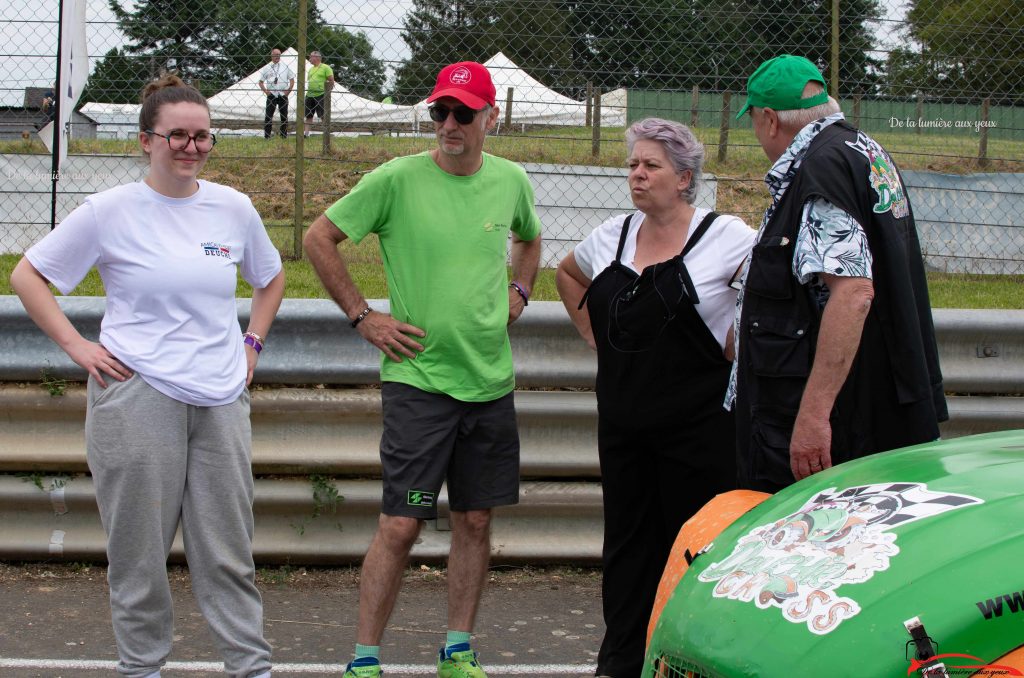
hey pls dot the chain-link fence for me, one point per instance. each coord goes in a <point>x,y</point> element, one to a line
<point>940,83</point>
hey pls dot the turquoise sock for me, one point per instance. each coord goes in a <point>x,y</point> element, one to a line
<point>368,651</point>
<point>456,637</point>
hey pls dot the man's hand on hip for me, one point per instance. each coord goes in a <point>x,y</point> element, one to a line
<point>390,336</point>
<point>516,305</point>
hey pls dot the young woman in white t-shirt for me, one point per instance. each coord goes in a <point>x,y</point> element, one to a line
<point>168,437</point>
<point>650,292</point>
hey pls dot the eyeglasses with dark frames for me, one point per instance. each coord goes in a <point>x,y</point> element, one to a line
<point>463,114</point>
<point>179,139</point>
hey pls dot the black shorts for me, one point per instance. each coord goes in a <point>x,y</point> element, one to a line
<point>315,105</point>
<point>431,437</point>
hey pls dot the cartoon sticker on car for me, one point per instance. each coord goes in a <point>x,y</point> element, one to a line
<point>838,537</point>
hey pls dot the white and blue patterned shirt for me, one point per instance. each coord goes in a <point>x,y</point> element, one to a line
<point>829,240</point>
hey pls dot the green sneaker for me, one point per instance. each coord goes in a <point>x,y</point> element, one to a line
<point>363,667</point>
<point>458,661</point>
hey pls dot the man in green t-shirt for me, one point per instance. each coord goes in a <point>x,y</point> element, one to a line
<point>319,83</point>
<point>443,219</point>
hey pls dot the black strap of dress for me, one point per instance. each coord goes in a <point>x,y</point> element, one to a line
<point>684,274</point>
<point>702,228</point>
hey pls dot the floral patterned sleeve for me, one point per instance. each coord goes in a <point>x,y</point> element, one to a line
<point>830,241</point>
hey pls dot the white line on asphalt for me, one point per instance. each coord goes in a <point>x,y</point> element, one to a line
<point>391,669</point>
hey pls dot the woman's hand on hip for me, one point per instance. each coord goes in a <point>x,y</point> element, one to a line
<point>251,358</point>
<point>97,361</point>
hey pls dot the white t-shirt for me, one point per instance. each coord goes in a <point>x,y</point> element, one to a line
<point>711,263</point>
<point>169,269</point>
<point>277,77</point>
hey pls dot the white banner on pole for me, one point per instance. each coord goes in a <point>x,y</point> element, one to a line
<point>74,71</point>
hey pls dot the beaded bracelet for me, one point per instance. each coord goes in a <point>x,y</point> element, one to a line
<point>359,318</point>
<point>254,340</point>
<point>522,292</point>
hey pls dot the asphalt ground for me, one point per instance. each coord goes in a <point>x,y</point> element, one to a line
<point>532,621</point>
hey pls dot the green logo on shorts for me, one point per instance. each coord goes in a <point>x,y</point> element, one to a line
<point>420,498</point>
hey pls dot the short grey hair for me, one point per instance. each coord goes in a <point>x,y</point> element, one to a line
<point>483,114</point>
<point>316,53</point>
<point>804,116</point>
<point>683,149</point>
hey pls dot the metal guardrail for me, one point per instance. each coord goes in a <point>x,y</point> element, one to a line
<point>981,351</point>
<point>303,431</point>
<point>334,430</point>
<point>554,522</point>
<point>299,431</point>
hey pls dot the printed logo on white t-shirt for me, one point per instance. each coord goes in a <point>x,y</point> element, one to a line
<point>215,249</point>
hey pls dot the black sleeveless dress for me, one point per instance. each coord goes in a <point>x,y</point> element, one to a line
<point>665,443</point>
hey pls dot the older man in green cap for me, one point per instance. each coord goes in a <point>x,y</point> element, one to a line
<point>835,349</point>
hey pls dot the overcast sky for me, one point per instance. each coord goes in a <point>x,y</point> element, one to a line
<point>28,33</point>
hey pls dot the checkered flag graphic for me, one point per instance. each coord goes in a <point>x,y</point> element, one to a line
<point>896,503</point>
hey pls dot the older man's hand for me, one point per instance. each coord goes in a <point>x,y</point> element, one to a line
<point>810,448</point>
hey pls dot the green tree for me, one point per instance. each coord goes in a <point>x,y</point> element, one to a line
<point>117,79</point>
<point>214,44</point>
<point>532,33</point>
<point>179,35</point>
<point>962,50</point>
<point>350,56</point>
<point>440,32</point>
<point>655,44</point>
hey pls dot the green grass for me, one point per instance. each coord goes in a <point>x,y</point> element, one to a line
<point>946,290</point>
<point>958,290</point>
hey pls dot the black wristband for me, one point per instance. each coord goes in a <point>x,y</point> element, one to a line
<point>359,318</point>
<point>521,291</point>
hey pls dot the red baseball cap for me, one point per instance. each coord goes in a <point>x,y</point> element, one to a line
<point>467,81</point>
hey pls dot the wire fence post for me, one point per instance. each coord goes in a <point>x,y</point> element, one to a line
<point>589,115</point>
<point>983,133</point>
<point>326,121</point>
<point>835,50</point>
<point>300,133</point>
<point>595,143</point>
<point>508,108</point>
<point>723,132</point>
<point>694,107</point>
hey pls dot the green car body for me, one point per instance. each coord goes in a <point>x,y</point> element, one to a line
<point>819,579</point>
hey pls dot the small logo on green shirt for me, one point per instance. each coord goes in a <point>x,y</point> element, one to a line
<point>489,227</point>
<point>420,498</point>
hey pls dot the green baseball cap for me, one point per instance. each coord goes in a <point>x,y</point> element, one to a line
<point>779,83</point>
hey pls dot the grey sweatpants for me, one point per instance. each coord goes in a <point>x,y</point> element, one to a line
<point>156,461</point>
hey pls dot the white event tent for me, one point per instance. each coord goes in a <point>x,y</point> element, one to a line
<point>245,101</point>
<point>114,121</point>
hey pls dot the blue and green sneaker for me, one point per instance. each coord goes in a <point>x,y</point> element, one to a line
<point>363,667</point>
<point>458,661</point>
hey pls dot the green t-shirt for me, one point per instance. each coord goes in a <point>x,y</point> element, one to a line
<point>315,79</point>
<point>444,240</point>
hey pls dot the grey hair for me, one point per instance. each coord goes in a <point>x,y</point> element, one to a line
<point>683,149</point>
<point>804,116</point>
<point>484,114</point>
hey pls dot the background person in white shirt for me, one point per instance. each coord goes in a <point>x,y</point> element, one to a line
<point>168,436</point>
<point>651,292</point>
<point>276,81</point>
